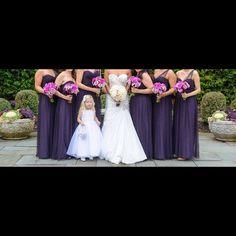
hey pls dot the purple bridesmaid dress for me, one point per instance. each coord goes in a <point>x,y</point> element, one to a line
<point>87,80</point>
<point>162,122</point>
<point>63,126</point>
<point>185,132</point>
<point>45,122</point>
<point>141,113</point>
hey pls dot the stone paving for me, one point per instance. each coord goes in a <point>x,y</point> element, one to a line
<point>213,153</point>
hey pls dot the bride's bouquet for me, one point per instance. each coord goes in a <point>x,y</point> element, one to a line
<point>118,93</point>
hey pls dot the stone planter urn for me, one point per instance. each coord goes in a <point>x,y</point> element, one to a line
<point>18,129</point>
<point>223,130</point>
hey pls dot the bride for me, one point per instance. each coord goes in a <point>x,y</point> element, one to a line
<point>120,140</point>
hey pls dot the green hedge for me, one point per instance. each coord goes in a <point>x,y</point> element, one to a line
<point>233,104</point>
<point>14,80</point>
<point>27,99</point>
<point>4,104</point>
<point>212,102</point>
<point>221,80</point>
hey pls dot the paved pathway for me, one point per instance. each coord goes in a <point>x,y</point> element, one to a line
<point>212,153</point>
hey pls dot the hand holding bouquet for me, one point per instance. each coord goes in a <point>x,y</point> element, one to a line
<point>99,82</point>
<point>118,93</point>
<point>159,88</point>
<point>135,82</point>
<point>71,89</point>
<point>50,89</point>
<point>181,87</point>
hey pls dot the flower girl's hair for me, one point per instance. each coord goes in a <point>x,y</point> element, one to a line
<point>82,106</point>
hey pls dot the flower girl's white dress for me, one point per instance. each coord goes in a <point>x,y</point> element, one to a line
<point>86,140</point>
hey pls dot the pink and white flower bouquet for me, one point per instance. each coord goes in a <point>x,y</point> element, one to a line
<point>135,82</point>
<point>50,89</point>
<point>181,87</point>
<point>159,88</point>
<point>99,82</point>
<point>71,89</point>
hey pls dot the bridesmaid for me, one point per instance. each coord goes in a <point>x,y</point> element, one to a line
<point>84,82</point>
<point>63,129</point>
<point>141,111</point>
<point>186,143</point>
<point>46,114</point>
<point>162,115</point>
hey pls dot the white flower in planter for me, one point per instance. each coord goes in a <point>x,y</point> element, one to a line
<point>11,116</point>
<point>219,116</point>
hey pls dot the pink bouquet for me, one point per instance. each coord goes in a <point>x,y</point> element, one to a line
<point>50,89</point>
<point>98,82</point>
<point>159,88</point>
<point>71,89</point>
<point>182,86</point>
<point>134,82</point>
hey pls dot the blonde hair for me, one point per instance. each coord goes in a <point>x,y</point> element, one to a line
<point>82,105</point>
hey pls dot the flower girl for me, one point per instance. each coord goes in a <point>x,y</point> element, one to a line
<point>87,138</point>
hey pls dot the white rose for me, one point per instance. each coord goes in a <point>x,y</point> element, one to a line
<point>118,93</point>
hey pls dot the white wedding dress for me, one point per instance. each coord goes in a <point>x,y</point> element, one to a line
<point>120,140</point>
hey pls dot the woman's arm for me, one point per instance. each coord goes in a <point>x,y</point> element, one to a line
<point>172,81</point>
<point>106,89</point>
<point>129,73</point>
<point>79,77</point>
<point>147,81</point>
<point>38,80</point>
<point>58,82</point>
<point>197,83</point>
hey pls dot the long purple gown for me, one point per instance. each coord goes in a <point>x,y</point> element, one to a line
<point>45,122</point>
<point>87,80</point>
<point>162,122</point>
<point>63,126</point>
<point>141,113</point>
<point>185,132</point>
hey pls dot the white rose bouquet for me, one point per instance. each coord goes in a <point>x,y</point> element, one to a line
<point>118,93</point>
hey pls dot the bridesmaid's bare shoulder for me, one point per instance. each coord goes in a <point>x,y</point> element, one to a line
<point>171,73</point>
<point>39,74</point>
<point>196,74</point>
